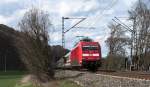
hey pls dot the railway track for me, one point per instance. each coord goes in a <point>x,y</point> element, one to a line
<point>129,74</point>
<point>79,69</point>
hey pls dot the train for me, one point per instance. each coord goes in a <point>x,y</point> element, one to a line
<point>85,55</point>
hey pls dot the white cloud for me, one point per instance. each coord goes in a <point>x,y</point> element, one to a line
<point>3,20</point>
<point>92,9</point>
<point>14,19</point>
<point>89,5</point>
<point>108,12</point>
<point>64,9</point>
<point>8,1</point>
<point>129,3</point>
<point>55,37</point>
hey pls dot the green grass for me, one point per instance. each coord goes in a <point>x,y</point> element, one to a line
<point>10,78</point>
<point>67,83</point>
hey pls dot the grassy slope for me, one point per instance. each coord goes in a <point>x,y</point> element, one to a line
<point>68,84</point>
<point>10,79</point>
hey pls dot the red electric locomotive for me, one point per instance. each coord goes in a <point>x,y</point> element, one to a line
<point>86,55</point>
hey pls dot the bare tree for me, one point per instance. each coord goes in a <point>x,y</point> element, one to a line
<point>33,44</point>
<point>117,40</point>
<point>140,15</point>
<point>114,62</point>
<point>116,43</point>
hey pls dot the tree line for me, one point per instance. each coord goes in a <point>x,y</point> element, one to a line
<point>131,51</point>
<point>28,49</point>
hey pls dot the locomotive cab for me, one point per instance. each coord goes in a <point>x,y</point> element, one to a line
<point>86,55</point>
<point>91,55</point>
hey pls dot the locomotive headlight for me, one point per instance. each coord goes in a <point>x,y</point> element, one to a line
<point>85,54</point>
<point>96,54</point>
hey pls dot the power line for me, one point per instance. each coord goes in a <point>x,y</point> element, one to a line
<point>100,13</point>
<point>86,27</point>
<point>112,3</point>
<point>65,31</point>
<point>82,19</point>
<point>123,24</point>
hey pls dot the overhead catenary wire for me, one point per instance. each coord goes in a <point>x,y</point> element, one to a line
<point>122,25</point>
<point>101,13</point>
<point>122,22</point>
<point>75,25</point>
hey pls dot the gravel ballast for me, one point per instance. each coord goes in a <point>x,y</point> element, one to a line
<point>87,79</point>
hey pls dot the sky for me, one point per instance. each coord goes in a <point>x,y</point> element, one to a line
<point>98,14</point>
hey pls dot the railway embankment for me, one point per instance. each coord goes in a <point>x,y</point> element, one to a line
<point>87,79</point>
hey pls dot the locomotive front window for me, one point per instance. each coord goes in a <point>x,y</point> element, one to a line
<point>85,48</point>
<point>93,48</point>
